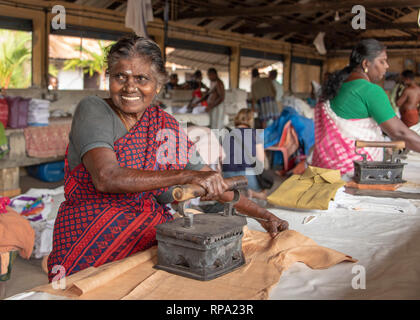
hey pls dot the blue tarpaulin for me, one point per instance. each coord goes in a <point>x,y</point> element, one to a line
<point>304,127</point>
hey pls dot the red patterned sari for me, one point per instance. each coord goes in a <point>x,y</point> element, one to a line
<point>93,228</point>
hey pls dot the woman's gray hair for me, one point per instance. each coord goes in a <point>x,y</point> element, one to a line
<point>133,46</point>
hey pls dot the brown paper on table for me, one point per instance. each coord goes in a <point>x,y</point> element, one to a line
<point>266,259</point>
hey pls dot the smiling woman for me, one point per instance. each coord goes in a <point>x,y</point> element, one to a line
<point>116,182</point>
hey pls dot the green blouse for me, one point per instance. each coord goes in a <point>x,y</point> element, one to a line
<point>360,99</point>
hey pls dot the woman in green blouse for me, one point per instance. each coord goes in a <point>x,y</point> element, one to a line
<point>353,107</point>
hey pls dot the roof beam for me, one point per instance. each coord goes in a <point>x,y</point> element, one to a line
<point>310,7</point>
<point>310,28</point>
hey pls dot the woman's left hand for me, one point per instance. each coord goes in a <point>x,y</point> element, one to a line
<point>274,225</point>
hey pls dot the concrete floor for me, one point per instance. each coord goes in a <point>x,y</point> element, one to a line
<point>27,274</point>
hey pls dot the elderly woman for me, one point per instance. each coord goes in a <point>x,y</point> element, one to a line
<point>124,153</point>
<point>353,108</point>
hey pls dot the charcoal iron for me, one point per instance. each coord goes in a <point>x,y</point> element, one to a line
<point>388,171</point>
<point>202,246</point>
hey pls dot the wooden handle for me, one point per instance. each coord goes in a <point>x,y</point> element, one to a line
<point>380,144</point>
<point>190,191</point>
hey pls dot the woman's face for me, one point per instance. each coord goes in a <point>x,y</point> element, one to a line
<point>377,68</point>
<point>132,85</point>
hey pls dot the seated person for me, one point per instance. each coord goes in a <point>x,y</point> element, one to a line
<point>353,108</point>
<point>244,153</point>
<point>173,82</point>
<point>409,100</point>
<point>123,155</point>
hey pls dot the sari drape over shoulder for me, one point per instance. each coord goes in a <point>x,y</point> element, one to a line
<point>335,139</point>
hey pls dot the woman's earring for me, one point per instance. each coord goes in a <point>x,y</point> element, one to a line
<point>366,70</point>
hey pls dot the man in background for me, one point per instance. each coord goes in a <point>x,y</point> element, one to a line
<point>263,99</point>
<point>214,99</point>
<point>216,96</point>
<point>409,100</point>
<point>173,82</point>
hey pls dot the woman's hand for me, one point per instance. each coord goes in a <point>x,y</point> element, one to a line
<point>212,182</point>
<point>397,130</point>
<point>274,225</point>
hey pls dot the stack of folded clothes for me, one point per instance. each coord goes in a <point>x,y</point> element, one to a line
<point>38,113</point>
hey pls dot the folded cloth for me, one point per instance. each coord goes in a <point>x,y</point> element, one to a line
<point>135,278</point>
<point>45,142</point>
<point>16,233</point>
<point>312,190</point>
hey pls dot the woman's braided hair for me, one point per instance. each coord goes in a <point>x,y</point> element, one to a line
<point>367,49</point>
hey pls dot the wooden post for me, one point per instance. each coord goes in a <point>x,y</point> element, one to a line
<point>234,67</point>
<point>159,38</point>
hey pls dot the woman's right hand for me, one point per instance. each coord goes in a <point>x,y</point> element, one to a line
<point>212,182</point>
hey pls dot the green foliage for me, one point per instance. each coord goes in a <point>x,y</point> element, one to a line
<point>15,51</point>
<point>52,70</point>
<point>96,63</point>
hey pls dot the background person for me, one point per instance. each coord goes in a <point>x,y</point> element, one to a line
<point>353,108</point>
<point>263,98</point>
<point>409,100</point>
<point>279,89</point>
<point>243,155</point>
<point>173,82</point>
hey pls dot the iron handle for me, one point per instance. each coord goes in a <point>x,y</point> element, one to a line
<point>190,191</point>
<point>380,144</point>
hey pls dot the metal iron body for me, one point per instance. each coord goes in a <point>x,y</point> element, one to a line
<point>202,246</point>
<point>379,172</point>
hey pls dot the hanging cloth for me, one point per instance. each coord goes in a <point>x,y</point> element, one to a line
<point>138,13</point>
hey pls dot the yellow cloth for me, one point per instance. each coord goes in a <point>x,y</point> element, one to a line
<point>135,278</point>
<point>312,190</point>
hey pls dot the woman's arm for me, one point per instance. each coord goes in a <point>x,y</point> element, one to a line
<point>273,225</point>
<point>397,130</point>
<point>108,176</point>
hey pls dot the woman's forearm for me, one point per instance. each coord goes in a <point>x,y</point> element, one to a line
<point>397,130</point>
<point>246,206</point>
<point>108,176</point>
<point>412,140</point>
<point>127,180</point>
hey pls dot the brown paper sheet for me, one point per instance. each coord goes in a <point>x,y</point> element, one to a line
<point>266,259</point>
